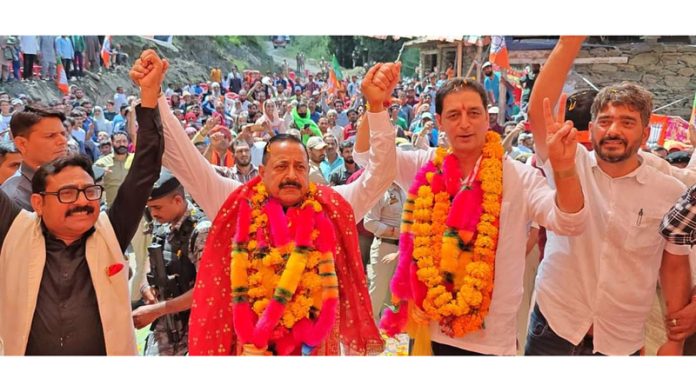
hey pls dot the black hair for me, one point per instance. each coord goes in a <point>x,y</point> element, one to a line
<point>455,85</point>
<point>7,148</point>
<point>113,135</point>
<point>38,183</point>
<point>22,122</point>
<point>346,144</point>
<point>279,138</point>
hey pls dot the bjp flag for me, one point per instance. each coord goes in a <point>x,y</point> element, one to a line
<point>61,78</point>
<point>499,52</point>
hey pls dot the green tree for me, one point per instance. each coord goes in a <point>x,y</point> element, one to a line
<point>342,46</point>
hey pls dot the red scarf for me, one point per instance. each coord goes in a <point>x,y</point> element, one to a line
<point>211,331</point>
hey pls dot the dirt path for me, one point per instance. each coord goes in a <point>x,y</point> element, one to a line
<point>281,54</point>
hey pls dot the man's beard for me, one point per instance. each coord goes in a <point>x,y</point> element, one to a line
<point>349,160</point>
<point>121,150</point>
<point>488,73</point>
<point>241,163</point>
<point>629,149</point>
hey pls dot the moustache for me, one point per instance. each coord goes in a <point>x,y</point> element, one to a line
<point>290,183</point>
<point>120,150</point>
<point>613,138</point>
<point>87,209</point>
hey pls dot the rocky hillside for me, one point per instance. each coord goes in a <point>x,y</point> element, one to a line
<point>192,62</point>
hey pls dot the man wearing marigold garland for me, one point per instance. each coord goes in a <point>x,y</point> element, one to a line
<point>594,292</point>
<point>458,283</point>
<point>281,272</point>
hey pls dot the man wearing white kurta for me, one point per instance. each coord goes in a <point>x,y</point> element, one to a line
<point>526,197</point>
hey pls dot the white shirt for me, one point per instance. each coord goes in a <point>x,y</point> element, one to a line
<point>607,276</point>
<point>29,44</point>
<point>120,100</point>
<point>686,175</point>
<point>526,197</point>
<point>210,190</point>
<point>337,131</point>
<point>386,213</point>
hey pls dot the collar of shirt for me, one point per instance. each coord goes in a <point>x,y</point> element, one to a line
<point>639,173</point>
<point>26,171</point>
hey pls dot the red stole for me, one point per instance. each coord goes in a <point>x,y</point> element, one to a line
<point>211,331</point>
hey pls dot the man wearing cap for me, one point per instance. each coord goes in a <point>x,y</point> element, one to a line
<point>317,152</point>
<point>181,230</point>
<point>525,145</point>
<point>491,82</point>
<point>219,153</point>
<point>493,120</point>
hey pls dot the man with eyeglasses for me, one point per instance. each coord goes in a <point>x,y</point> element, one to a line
<point>63,281</point>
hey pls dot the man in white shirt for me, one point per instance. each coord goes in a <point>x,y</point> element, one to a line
<point>210,190</point>
<point>286,179</point>
<point>462,115</point>
<point>594,292</point>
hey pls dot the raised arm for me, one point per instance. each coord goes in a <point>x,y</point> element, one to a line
<point>380,171</point>
<point>549,84</point>
<point>197,176</point>
<point>128,206</point>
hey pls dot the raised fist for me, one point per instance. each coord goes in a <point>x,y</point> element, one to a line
<point>379,83</point>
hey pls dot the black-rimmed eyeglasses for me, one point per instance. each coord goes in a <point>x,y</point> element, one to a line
<point>70,194</point>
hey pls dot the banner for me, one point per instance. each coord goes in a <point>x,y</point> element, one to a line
<point>665,128</point>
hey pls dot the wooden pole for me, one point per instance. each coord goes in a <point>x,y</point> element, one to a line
<point>502,102</point>
<point>473,63</point>
<point>459,59</point>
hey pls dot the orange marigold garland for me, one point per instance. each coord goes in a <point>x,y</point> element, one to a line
<point>450,231</point>
<point>284,285</point>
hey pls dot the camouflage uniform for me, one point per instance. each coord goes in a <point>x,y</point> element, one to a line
<point>183,245</point>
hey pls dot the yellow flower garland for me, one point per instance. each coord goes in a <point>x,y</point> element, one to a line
<point>440,252</point>
<point>265,274</point>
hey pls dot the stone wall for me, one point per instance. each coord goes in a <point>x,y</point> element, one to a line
<point>667,70</point>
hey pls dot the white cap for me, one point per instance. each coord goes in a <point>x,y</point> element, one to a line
<point>493,110</point>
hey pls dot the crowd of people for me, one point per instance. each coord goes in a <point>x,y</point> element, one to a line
<point>26,57</point>
<point>423,198</point>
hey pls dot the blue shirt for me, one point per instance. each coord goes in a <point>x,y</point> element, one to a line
<point>64,48</point>
<point>327,168</point>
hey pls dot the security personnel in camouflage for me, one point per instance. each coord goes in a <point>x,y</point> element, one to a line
<point>181,230</point>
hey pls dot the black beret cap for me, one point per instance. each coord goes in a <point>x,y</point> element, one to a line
<point>165,185</point>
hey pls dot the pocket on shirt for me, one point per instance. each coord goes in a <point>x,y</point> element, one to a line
<point>643,232</point>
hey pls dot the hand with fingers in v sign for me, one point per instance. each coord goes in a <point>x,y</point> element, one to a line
<point>561,139</point>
